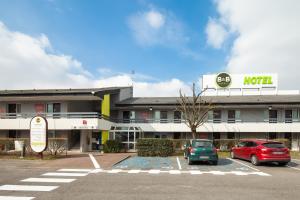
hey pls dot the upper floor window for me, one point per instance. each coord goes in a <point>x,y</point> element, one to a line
<point>177,116</point>
<point>231,116</point>
<point>273,116</point>
<point>13,109</point>
<point>288,116</point>
<point>163,116</point>
<point>217,115</point>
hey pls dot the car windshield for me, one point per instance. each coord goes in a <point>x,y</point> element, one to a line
<point>202,144</point>
<point>273,145</point>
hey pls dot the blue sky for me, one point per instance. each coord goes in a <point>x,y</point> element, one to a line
<point>97,33</point>
<point>77,43</point>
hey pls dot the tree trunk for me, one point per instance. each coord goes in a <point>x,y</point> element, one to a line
<point>194,132</point>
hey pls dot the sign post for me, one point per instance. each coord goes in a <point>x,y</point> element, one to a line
<point>38,134</point>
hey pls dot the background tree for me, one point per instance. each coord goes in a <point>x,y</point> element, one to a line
<point>194,109</point>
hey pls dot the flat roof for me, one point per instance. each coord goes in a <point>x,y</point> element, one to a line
<point>251,99</point>
<point>57,91</point>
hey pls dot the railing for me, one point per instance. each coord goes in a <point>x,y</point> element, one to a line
<point>216,121</point>
<point>68,115</point>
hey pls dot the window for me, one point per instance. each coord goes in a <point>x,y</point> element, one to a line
<point>217,116</point>
<point>272,136</point>
<point>202,144</point>
<point>177,117</point>
<point>12,134</point>
<point>242,144</point>
<point>272,116</point>
<point>231,116</point>
<point>54,109</point>
<point>230,135</point>
<point>216,136</point>
<point>288,116</point>
<point>251,144</point>
<point>273,145</point>
<point>163,116</point>
<point>126,116</point>
<point>13,109</point>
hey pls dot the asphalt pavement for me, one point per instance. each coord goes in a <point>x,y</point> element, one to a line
<point>164,178</point>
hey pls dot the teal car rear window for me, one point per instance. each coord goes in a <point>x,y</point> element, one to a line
<point>202,144</point>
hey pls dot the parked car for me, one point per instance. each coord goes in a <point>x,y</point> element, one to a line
<point>200,150</point>
<point>261,151</point>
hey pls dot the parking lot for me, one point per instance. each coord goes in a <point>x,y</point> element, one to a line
<point>178,165</point>
<point>138,177</point>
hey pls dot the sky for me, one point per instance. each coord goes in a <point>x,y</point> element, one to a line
<point>156,46</point>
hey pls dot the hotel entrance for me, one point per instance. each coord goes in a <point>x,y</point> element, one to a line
<point>127,135</point>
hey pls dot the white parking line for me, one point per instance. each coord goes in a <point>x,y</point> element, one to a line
<point>174,172</point>
<point>64,174</point>
<point>154,171</point>
<point>215,172</point>
<point>243,164</point>
<point>293,167</point>
<point>178,163</point>
<point>74,170</point>
<point>15,198</point>
<point>35,188</point>
<point>114,171</point>
<point>194,172</point>
<point>49,180</point>
<point>94,161</point>
<point>134,171</point>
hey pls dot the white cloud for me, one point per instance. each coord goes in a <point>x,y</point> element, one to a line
<point>155,27</point>
<point>268,37</point>
<point>216,33</point>
<point>25,63</point>
<point>155,19</point>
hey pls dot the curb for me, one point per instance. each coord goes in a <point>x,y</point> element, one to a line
<point>122,160</point>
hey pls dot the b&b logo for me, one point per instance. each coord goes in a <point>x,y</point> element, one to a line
<point>223,80</point>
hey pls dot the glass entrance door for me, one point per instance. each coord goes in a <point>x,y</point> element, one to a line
<point>127,135</point>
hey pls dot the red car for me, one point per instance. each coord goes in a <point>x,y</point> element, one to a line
<point>260,151</point>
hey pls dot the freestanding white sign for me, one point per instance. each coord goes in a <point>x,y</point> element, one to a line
<point>38,134</point>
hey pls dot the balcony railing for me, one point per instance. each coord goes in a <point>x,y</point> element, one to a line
<point>216,121</point>
<point>68,115</point>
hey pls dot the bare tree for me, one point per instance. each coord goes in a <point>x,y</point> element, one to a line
<point>194,109</point>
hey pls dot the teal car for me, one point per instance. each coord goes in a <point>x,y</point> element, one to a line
<point>200,150</point>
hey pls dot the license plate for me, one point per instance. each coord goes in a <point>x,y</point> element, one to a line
<point>204,157</point>
<point>278,153</point>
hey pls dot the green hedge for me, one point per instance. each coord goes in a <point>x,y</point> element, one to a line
<point>112,146</point>
<point>154,147</point>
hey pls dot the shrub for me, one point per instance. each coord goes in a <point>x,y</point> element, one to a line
<point>154,147</point>
<point>112,146</point>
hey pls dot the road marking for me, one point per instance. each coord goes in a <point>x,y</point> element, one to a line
<point>174,172</point>
<point>94,161</point>
<point>35,188</point>
<point>49,180</point>
<point>134,171</point>
<point>239,173</point>
<point>64,174</point>
<point>154,171</point>
<point>194,172</point>
<point>74,170</point>
<point>293,167</point>
<point>178,162</point>
<point>95,171</point>
<point>114,171</point>
<point>243,164</point>
<point>215,172</point>
<point>15,198</point>
<point>260,173</point>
